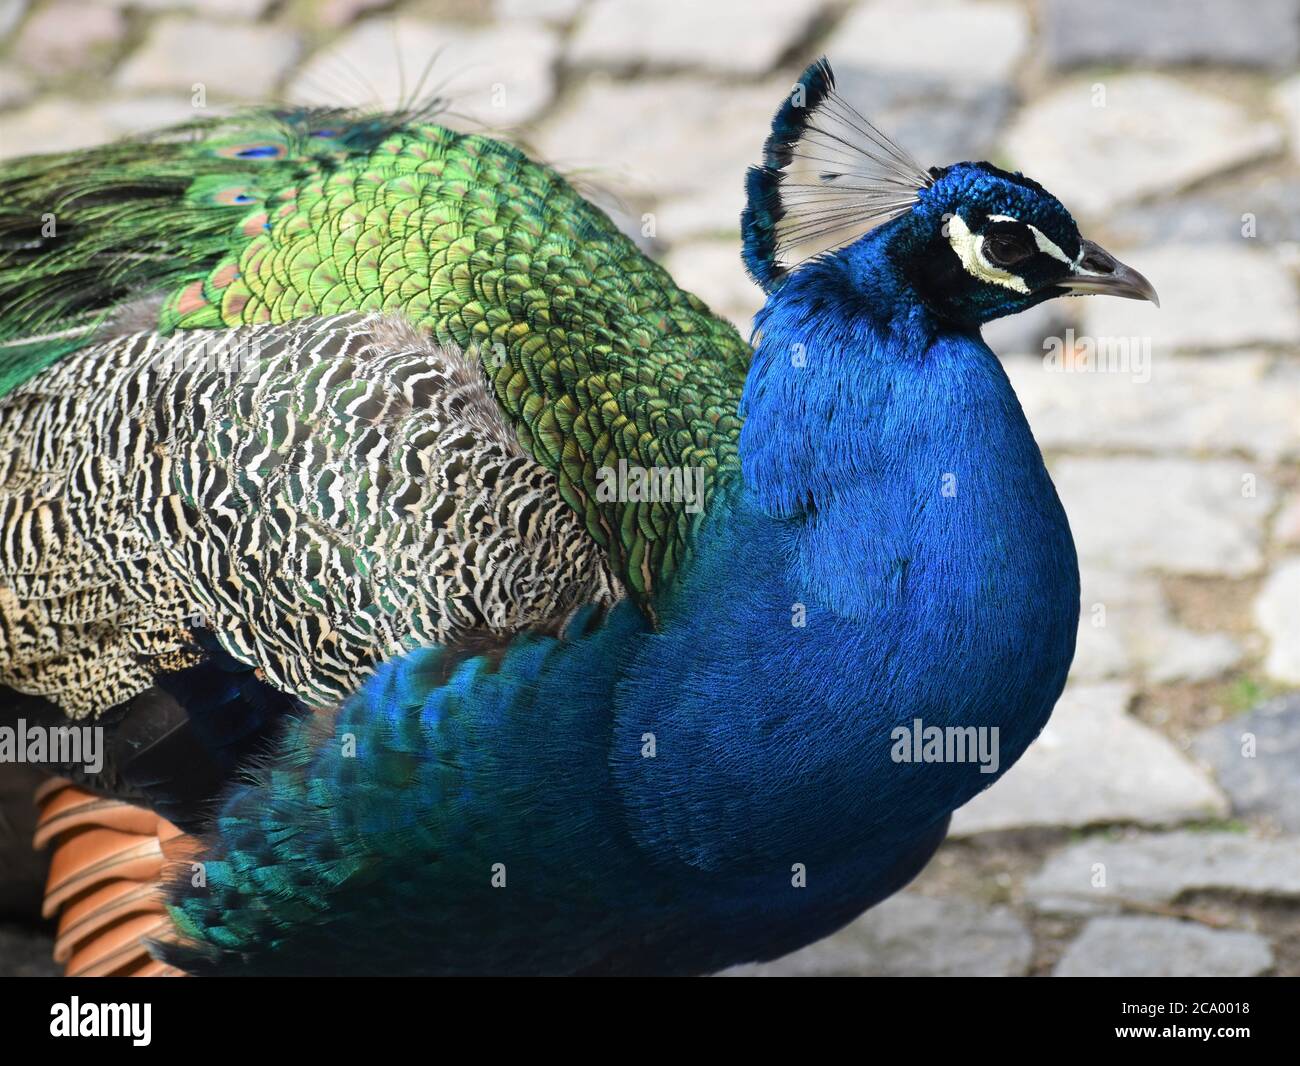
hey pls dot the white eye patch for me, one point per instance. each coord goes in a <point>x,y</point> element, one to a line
<point>970,250</point>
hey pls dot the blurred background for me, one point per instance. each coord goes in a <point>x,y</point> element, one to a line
<point>1155,826</point>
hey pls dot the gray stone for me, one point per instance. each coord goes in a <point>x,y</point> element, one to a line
<point>10,12</point>
<point>557,11</point>
<point>139,114</point>
<point>1256,758</point>
<point>685,33</point>
<point>56,124</point>
<point>913,936</point>
<point>1277,612</point>
<point>662,137</point>
<point>1100,652</point>
<point>1170,31</point>
<point>1178,516</point>
<point>1153,135</point>
<point>230,60</point>
<point>707,213</point>
<point>1126,627</point>
<point>248,9</point>
<point>1239,403</point>
<point>712,271</point>
<point>52,125</point>
<point>335,13</point>
<point>1096,875</point>
<point>1162,947</point>
<point>1286,526</point>
<point>27,952</point>
<point>1170,654</point>
<point>1212,296</point>
<point>65,35</point>
<point>1094,765</point>
<point>953,40</point>
<point>492,76</point>
<point>1263,208</point>
<point>1287,99</point>
<point>14,89</point>
<point>936,120</point>
<point>225,8</point>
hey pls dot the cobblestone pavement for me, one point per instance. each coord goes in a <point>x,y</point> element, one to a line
<point>1154,826</point>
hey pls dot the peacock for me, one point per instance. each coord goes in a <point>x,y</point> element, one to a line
<point>450,592</point>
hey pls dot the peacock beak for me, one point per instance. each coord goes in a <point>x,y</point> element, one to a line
<point>1099,271</point>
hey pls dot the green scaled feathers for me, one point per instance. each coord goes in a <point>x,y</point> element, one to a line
<point>82,233</point>
<point>595,355</point>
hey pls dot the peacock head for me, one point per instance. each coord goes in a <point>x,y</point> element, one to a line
<point>971,242</point>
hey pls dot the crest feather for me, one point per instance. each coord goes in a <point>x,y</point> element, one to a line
<point>828,175</point>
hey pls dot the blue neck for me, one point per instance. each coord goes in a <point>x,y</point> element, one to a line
<point>896,550</point>
<point>844,432</point>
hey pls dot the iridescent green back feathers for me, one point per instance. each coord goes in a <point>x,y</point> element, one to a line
<point>594,354</point>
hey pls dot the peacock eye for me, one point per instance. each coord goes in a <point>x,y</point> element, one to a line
<point>1003,250</point>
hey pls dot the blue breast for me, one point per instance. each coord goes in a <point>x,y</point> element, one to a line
<point>894,552</point>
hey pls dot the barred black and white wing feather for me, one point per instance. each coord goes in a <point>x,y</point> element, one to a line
<point>319,496</point>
